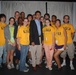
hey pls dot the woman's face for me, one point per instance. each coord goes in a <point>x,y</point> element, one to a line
<point>47,22</point>
<point>11,21</point>
<point>57,24</point>
<point>42,19</point>
<point>25,22</point>
<point>66,19</point>
<point>20,21</point>
<point>53,19</point>
<point>29,18</point>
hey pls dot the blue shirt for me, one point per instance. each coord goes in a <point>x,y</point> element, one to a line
<point>38,26</point>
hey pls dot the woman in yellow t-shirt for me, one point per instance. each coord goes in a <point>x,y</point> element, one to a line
<point>61,39</point>
<point>23,44</point>
<point>48,43</point>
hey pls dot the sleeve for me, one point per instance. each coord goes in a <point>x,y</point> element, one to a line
<point>18,33</point>
<point>15,31</point>
<point>32,31</point>
<point>72,29</point>
<point>6,33</point>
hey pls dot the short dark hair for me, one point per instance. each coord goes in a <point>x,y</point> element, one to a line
<point>65,16</point>
<point>30,15</point>
<point>2,15</point>
<point>54,16</point>
<point>47,19</point>
<point>16,12</point>
<point>12,18</point>
<point>59,21</point>
<point>37,12</point>
<point>47,15</point>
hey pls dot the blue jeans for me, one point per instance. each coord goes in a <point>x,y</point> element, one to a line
<point>24,51</point>
<point>4,53</point>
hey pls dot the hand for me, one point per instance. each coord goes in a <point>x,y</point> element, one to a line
<point>53,47</point>
<point>33,43</point>
<point>13,44</point>
<point>19,47</point>
<point>64,47</point>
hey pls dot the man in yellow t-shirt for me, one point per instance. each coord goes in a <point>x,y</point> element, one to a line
<point>2,39</point>
<point>23,44</point>
<point>70,35</point>
<point>53,20</point>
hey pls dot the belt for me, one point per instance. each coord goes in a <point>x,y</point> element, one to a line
<point>40,36</point>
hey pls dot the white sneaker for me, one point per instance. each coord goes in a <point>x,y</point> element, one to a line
<point>45,62</point>
<point>50,68</point>
<point>26,70</point>
<point>30,61</point>
<point>72,67</point>
<point>17,66</point>
<point>46,66</point>
<point>63,64</point>
<point>26,65</point>
<point>55,63</point>
<point>9,66</point>
<point>12,66</point>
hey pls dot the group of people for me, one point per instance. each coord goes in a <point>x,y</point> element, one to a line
<point>35,37</point>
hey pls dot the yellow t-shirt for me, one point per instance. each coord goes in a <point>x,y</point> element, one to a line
<point>52,24</point>
<point>2,37</point>
<point>47,34</point>
<point>23,35</point>
<point>69,29</point>
<point>59,36</point>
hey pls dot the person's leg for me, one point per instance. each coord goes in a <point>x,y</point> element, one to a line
<point>4,55</point>
<point>33,55</point>
<point>56,56</point>
<point>24,51</point>
<point>1,52</point>
<point>70,52</point>
<point>47,54</point>
<point>51,55</point>
<point>63,55</point>
<point>11,58</point>
<point>8,57</point>
<point>39,54</point>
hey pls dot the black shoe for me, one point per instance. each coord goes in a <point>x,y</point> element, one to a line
<point>60,68</point>
<point>0,66</point>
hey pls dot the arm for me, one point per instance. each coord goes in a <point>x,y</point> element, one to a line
<point>31,33</point>
<point>65,41</point>
<point>53,36</point>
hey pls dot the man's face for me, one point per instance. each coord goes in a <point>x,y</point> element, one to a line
<point>38,15</point>
<point>3,19</point>
<point>17,15</point>
<point>66,19</point>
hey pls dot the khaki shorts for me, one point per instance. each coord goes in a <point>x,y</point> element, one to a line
<point>69,50</point>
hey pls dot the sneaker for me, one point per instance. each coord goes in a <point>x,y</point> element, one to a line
<point>17,66</point>
<point>63,64</point>
<point>55,64</point>
<point>0,66</point>
<point>53,61</point>
<point>12,66</point>
<point>26,65</point>
<point>45,62</point>
<point>26,70</point>
<point>30,61</point>
<point>46,66</point>
<point>50,68</point>
<point>9,66</point>
<point>72,67</point>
